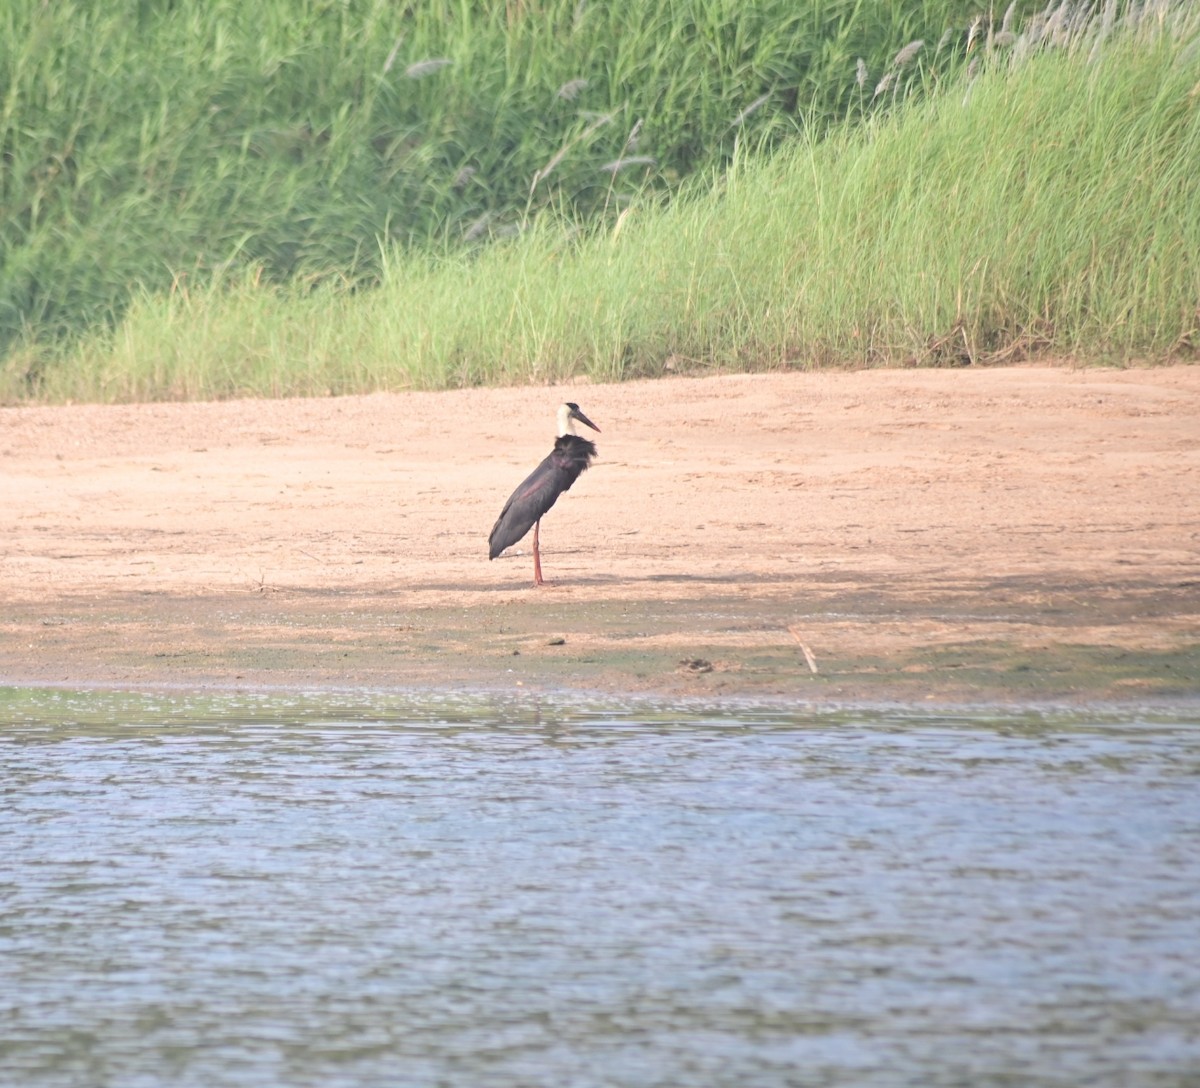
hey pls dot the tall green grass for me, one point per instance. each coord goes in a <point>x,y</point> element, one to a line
<point>149,144</point>
<point>1048,203</point>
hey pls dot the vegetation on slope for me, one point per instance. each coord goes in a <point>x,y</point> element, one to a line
<point>1047,201</point>
<point>152,143</point>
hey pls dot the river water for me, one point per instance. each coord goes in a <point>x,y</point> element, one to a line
<point>363,891</point>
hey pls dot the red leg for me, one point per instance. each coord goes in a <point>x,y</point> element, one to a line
<point>537,558</point>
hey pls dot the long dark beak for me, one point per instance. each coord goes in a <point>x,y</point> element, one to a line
<point>577,414</point>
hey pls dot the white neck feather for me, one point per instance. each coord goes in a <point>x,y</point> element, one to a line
<point>566,425</point>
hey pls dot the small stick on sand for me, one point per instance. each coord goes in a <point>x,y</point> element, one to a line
<point>808,656</point>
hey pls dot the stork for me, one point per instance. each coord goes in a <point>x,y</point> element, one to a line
<point>542,487</point>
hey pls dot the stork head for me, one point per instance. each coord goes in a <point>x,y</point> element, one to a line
<point>567,414</point>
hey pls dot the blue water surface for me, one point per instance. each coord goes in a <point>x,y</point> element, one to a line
<point>362,890</point>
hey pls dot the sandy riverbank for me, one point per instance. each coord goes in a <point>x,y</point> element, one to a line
<point>992,534</point>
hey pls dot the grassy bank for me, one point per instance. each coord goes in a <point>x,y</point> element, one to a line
<point>1049,204</point>
<point>151,144</point>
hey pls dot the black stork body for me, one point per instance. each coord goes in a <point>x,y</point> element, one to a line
<point>541,489</point>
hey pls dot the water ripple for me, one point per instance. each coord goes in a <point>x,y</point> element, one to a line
<point>354,891</point>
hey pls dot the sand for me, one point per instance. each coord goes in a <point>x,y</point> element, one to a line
<point>960,535</point>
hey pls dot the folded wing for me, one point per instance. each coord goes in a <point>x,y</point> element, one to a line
<point>540,490</point>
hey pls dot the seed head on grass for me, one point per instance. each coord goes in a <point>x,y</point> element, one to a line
<point>908,52</point>
<point>1006,23</point>
<point>973,31</point>
<point>570,90</point>
<point>478,228</point>
<point>421,68</point>
<point>1056,28</point>
<point>391,57</point>
<point>756,104</point>
<point>548,169</point>
<point>618,165</point>
<point>631,141</point>
<point>539,176</point>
